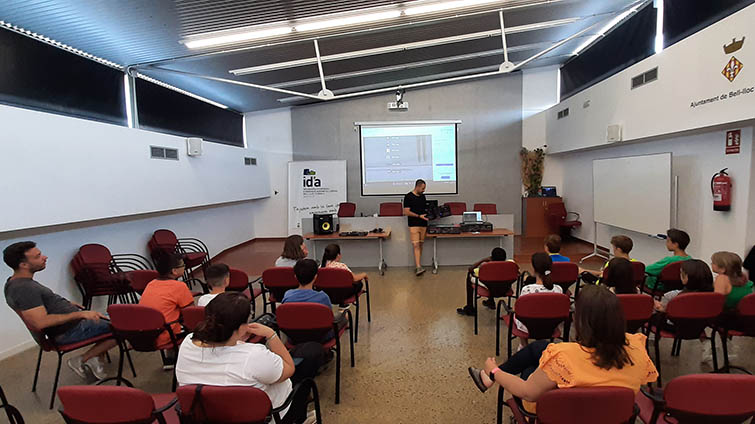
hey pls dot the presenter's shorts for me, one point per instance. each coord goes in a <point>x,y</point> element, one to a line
<point>417,234</point>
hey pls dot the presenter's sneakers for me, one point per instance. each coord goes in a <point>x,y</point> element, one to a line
<point>419,271</point>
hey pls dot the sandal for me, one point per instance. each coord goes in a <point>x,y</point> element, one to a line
<point>475,374</point>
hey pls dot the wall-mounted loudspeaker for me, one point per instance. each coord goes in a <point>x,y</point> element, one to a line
<point>613,133</point>
<point>194,146</point>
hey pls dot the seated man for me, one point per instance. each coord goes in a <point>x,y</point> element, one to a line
<point>306,273</point>
<point>43,310</point>
<point>168,295</point>
<point>218,277</point>
<point>620,247</point>
<point>676,241</point>
<point>498,254</point>
<point>553,246</point>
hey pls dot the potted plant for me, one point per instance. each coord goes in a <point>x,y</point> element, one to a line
<point>532,170</point>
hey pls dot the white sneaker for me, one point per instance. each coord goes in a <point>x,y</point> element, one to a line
<point>77,366</point>
<point>97,367</point>
<point>707,353</point>
<point>311,418</point>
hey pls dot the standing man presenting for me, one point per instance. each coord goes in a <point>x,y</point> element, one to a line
<point>415,208</point>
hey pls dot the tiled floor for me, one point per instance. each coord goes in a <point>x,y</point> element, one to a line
<point>411,361</point>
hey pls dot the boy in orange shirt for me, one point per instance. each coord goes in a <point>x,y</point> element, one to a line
<point>168,295</point>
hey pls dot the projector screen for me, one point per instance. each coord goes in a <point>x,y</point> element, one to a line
<point>633,192</point>
<point>395,154</point>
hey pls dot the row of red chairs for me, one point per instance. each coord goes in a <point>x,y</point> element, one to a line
<point>348,209</point>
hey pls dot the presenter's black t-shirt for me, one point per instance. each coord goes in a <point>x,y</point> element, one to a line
<point>418,205</point>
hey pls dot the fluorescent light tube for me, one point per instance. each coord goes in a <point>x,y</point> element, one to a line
<point>349,20</point>
<point>445,5</point>
<point>615,21</point>
<point>238,37</point>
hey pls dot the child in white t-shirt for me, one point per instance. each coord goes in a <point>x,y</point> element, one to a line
<point>218,277</point>
<point>539,283</point>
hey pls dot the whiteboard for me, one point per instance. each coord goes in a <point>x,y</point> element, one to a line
<point>633,192</point>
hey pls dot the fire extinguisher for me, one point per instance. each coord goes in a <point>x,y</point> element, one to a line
<point>720,187</point>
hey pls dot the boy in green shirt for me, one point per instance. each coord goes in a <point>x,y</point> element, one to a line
<point>676,241</point>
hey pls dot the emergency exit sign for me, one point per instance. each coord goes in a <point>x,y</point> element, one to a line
<point>733,141</point>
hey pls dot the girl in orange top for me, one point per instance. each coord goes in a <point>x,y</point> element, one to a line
<point>604,355</point>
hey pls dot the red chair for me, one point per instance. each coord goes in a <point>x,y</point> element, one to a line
<point>192,316</point>
<point>699,398</point>
<point>485,208</point>
<point>457,208</point>
<point>338,284</point>
<point>541,313</point>
<point>741,324</point>
<point>638,309</point>
<point>347,210</point>
<point>391,209</point>
<point>557,217</point>
<point>312,322</point>
<point>691,314</point>
<point>495,280</point>
<point>195,252</point>
<point>564,274</point>
<point>276,281</point>
<point>139,279</point>
<point>216,404</point>
<point>137,327</point>
<point>638,272</point>
<point>670,278</point>
<point>604,405</point>
<point>239,282</point>
<point>113,404</point>
<point>95,275</point>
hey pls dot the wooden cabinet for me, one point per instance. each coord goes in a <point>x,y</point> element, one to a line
<point>533,211</point>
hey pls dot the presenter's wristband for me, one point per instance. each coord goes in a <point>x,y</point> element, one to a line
<point>492,373</point>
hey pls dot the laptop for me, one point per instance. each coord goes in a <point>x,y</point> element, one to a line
<point>471,218</point>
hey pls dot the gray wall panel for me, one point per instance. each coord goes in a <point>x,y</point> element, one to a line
<point>490,137</point>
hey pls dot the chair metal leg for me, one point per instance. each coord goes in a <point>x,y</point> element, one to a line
<point>713,349</point>
<point>726,353</point>
<point>510,335</point>
<point>338,370</point>
<point>55,384</point>
<point>131,364</point>
<point>356,322</point>
<point>475,306</point>
<point>658,357</point>
<point>499,414</point>
<point>367,293</point>
<point>351,343</point>
<point>498,328</point>
<point>36,373</point>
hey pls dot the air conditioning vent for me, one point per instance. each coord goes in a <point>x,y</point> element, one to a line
<point>563,113</point>
<point>250,161</point>
<point>157,152</point>
<point>645,78</point>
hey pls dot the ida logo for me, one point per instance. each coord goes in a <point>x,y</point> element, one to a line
<point>310,179</point>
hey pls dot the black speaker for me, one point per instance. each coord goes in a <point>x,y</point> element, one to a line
<point>323,224</point>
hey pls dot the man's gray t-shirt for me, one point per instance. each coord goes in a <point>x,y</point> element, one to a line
<point>23,294</point>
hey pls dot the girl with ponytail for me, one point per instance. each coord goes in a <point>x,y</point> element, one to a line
<point>538,283</point>
<point>331,258</point>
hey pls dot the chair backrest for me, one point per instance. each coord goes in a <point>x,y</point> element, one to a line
<point>95,255</point>
<point>347,210</point>
<point>485,208</point>
<point>192,316</point>
<point>564,274</point>
<point>228,404</point>
<point>541,313</point>
<point>114,404</point>
<point>721,398</point>
<point>391,209</point>
<point>91,265</point>
<point>304,321</point>
<point>239,280</point>
<point>746,315</point>
<point>638,273</point>
<point>138,324</point>
<point>691,313</point>
<point>557,210</point>
<point>638,308</point>
<point>39,336</point>
<point>337,283</point>
<point>457,208</point>
<point>605,405</point>
<point>670,276</point>
<point>139,279</point>
<point>164,238</point>
<point>278,280</point>
<point>498,276</point>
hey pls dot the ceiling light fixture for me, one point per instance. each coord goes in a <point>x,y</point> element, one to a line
<point>237,37</point>
<point>612,23</point>
<point>347,20</point>
<point>445,5</point>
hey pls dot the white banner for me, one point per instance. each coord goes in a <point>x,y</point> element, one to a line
<point>314,187</point>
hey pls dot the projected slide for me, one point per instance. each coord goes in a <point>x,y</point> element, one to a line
<point>394,156</point>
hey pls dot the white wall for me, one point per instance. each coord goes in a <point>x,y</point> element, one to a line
<point>269,132</point>
<point>695,158</point>
<point>688,71</point>
<point>85,170</point>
